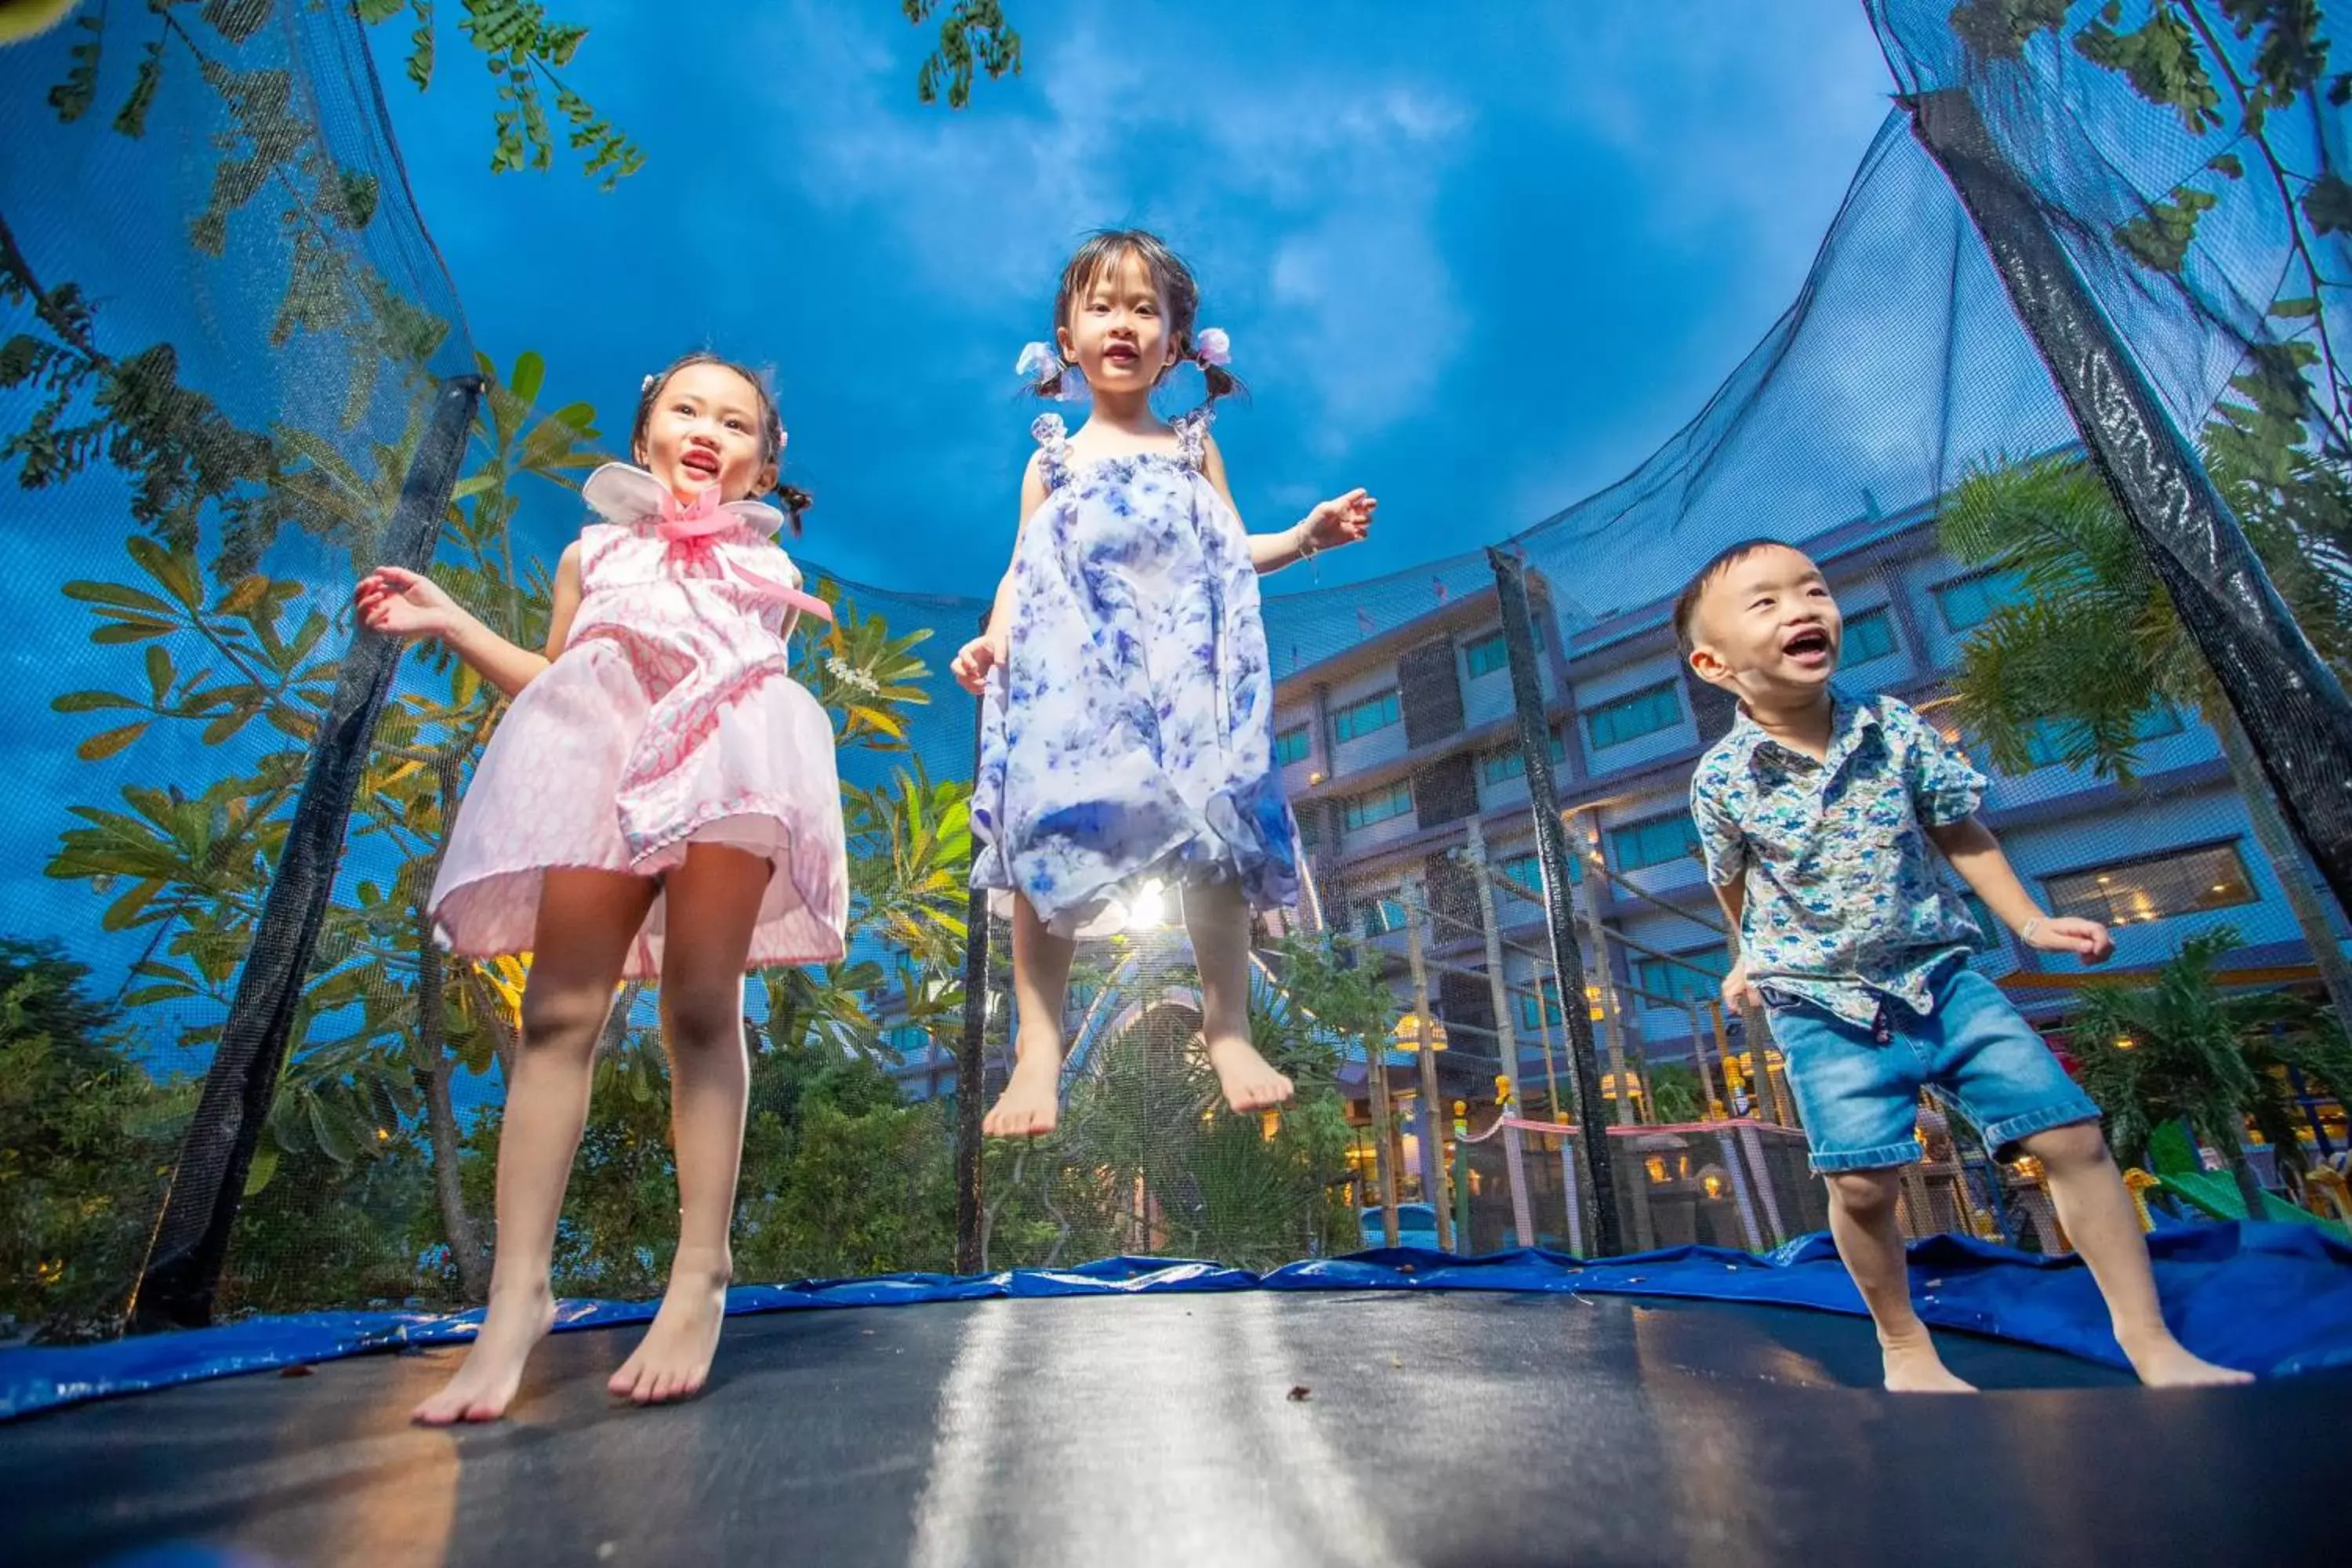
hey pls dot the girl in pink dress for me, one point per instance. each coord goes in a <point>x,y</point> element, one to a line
<point>660,800</point>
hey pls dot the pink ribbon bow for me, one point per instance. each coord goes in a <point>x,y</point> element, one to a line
<point>692,526</point>
<point>692,529</point>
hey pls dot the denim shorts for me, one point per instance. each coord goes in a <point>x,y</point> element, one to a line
<point>1860,1098</point>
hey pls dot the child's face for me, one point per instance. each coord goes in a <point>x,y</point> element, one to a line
<point>1118,330</point>
<point>1766,628</point>
<point>704,430</point>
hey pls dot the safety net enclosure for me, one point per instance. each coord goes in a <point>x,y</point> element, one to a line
<point>2061,409</point>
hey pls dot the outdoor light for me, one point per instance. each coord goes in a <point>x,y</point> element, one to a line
<point>1149,908</point>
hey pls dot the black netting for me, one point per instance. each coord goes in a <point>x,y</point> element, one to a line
<point>227,345</point>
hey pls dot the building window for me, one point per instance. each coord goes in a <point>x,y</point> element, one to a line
<point>2047,740</point>
<point>1972,601</point>
<point>2133,892</point>
<point>1365,718</point>
<point>1379,804</point>
<point>1523,870</point>
<point>1643,712</point>
<point>1380,917</point>
<point>1870,635</point>
<point>1528,1020</point>
<point>1655,842</point>
<point>1290,746</point>
<point>1486,656</point>
<point>1510,762</point>
<point>1665,978</point>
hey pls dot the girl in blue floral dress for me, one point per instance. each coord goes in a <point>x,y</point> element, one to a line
<point>1127,732</point>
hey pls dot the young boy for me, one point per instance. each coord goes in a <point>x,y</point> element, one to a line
<point>1815,812</point>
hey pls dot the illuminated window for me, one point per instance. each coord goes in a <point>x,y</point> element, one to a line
<point>1523,870</point>
<point>1365,718</point>
<point>2133,892</point>
<point>1629,718</point>
<point>1380,917</point>
<point>1527,1019</point>
<point>1290,746</point>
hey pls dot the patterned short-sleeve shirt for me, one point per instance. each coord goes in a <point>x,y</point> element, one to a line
<point>1844,907</point>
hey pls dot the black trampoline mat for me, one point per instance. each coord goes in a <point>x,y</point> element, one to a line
<point>1463,1429</point>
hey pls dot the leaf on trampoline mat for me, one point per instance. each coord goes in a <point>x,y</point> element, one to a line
<point>1298,1393</point>
<point>297,1371</point>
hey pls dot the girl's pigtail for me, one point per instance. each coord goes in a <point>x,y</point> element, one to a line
<point>796,502</point>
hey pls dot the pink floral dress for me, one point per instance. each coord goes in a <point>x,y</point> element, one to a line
<point>669,719</point>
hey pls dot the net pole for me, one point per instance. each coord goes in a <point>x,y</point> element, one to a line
<point>971,1086</point>
<point>2301,729</point>
<point>181,1276</point>
<point>1433,1151</point>
<point>1599,1187</point>
<point>1490,927</point>
<point>1605,991</point>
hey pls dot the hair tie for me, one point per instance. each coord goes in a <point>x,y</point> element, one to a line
<point>646,385</point>
<point>1040,364</point>
<point>1211,346</point>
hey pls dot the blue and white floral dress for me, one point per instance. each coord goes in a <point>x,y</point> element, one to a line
<point>1129,739</point>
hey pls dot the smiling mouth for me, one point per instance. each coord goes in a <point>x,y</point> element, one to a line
<point>1813,643</point>
<point>700,462</point>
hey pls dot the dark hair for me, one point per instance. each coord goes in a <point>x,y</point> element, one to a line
<point>1105,249</point>
<point>771,423</point>
<point>1686,603</point>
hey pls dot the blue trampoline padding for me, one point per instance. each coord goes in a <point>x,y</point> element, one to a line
<point>2275,1299</point>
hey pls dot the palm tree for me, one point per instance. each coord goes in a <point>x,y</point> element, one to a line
<point>2094,645</point>
<point>2182,1047</point>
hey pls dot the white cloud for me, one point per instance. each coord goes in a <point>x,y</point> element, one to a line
<point>1307,202</point>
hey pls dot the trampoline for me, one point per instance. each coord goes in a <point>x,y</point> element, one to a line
<point>1235,1429</point>
<point>1521,1408</point>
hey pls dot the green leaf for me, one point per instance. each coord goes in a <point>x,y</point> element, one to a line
<point>100,747</point>
<point>2161,61</point>
<point>265,1166</point>
<point>130,631</point>
<point>2296,309</point>
<point>116,596</point>
<point>159,671</point>
<point>72,97</point>
<point>1999,29</point>
<point>2328,205</point>
<point>88,701</point>
<point>2162,236</point>
<point>237,20</point>
<point>373,12</point>
<point>2228,165</point>
<point>131,119</point>
<point>530,373</point>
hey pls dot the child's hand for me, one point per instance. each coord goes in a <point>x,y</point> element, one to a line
<point>976,659</point>
<point>1737,994</point>
<point>398,603</point>
<point>1344,520</point>
<point>2086,939</point>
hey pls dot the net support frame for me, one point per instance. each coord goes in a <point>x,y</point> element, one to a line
<point>1598,1187</point>
<point>2217,584</point>
<point>180,1279</point>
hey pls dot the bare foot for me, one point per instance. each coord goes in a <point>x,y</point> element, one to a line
<point>1249,1081</point>
<point>1030,1103</point>
<point>484,1384</point>
<point>1914,1367</point>
<point>673,1360</point>
<point>2167,1363</point>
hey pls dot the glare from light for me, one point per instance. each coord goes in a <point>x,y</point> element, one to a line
<point>1149,908</point>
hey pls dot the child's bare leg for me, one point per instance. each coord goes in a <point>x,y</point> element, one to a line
<point>2097,1213</point>
<point>712,904</point>
<point>1861,1222</point>
<point>1219,923</point>
<point>586,919</point>
<point>1030,1103</point>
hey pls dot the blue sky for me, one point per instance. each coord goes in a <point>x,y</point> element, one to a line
<point>1479,258</point>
